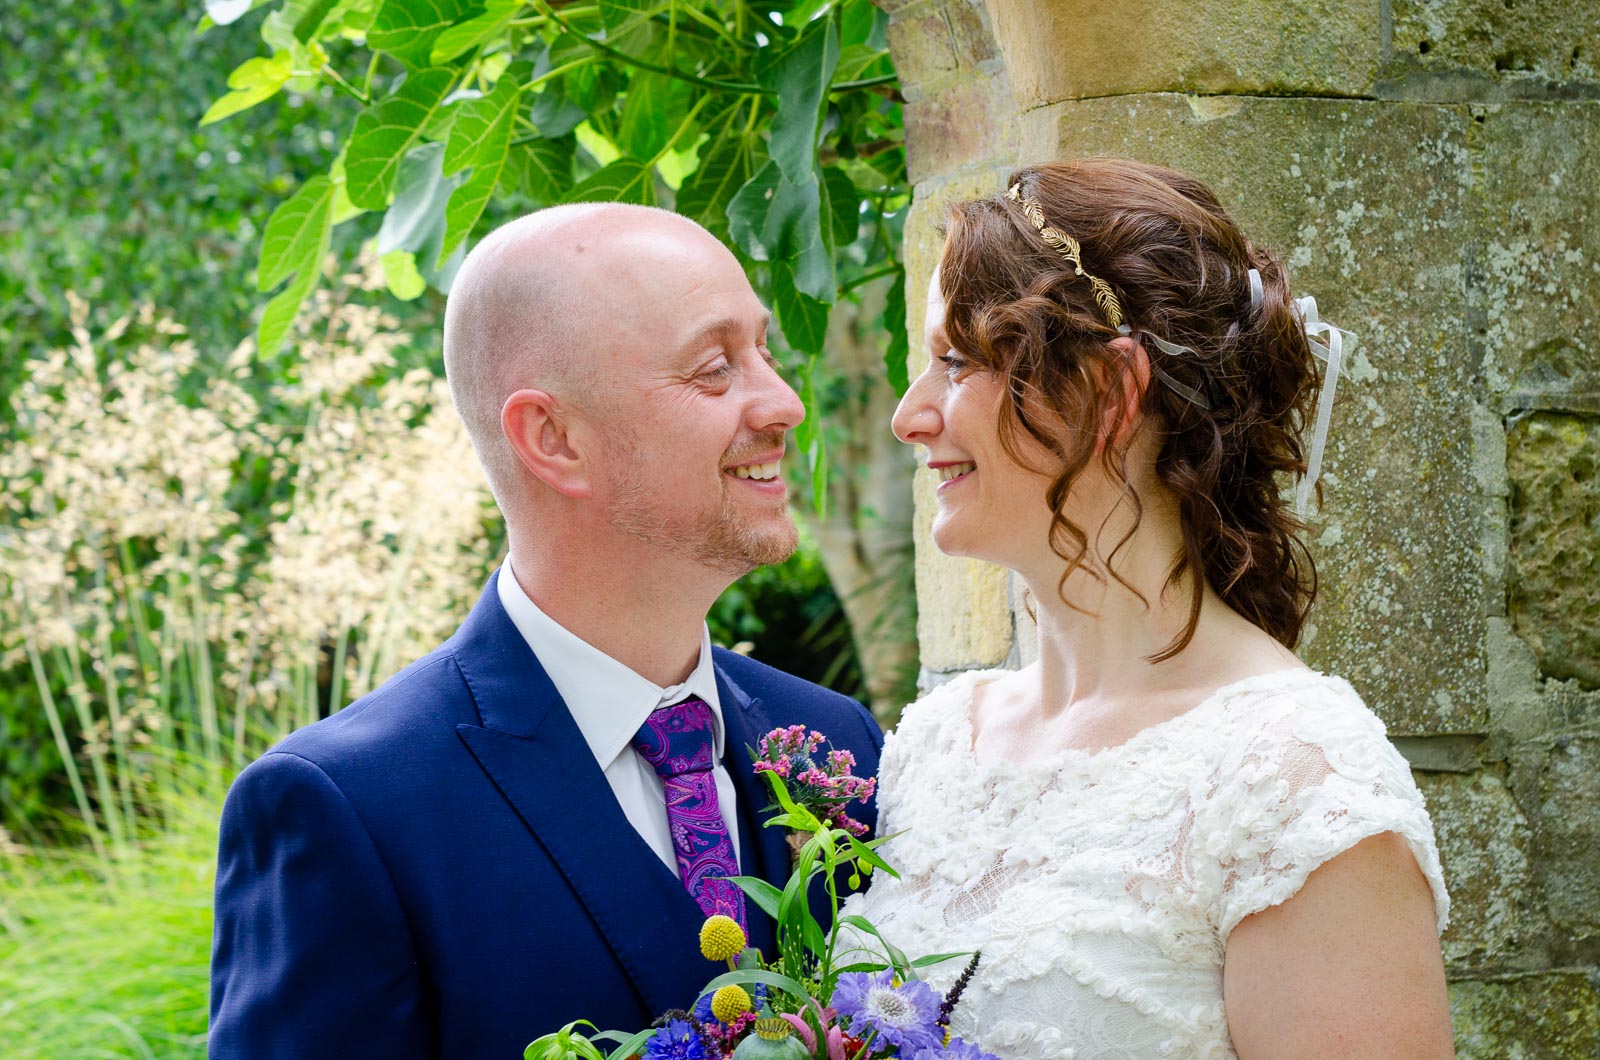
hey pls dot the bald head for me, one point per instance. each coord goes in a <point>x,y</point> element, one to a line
<point>540,302</point>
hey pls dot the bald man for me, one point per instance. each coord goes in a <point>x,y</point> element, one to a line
<point>529,825</point>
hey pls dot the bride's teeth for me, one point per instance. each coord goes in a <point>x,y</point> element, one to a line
<point>955,471</point>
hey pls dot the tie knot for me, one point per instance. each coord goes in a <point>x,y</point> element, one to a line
<point>677,739</point>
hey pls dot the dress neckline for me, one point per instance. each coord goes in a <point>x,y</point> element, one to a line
<point>965,732</point>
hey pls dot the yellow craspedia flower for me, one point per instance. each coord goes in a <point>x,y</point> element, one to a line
<point>721,938</point>
<point>729,1003</point>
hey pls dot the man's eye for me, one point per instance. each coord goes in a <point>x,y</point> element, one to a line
<point>722,371</point>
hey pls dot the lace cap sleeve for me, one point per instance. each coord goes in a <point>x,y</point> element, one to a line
<point>1314,775</point>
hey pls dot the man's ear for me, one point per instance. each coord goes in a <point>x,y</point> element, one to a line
<point>1122,407</point>
<point>539,430</point>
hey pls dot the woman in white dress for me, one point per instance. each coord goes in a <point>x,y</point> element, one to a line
<point>1168,836</point>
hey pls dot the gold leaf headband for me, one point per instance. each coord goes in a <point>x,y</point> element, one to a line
<point>1068,248</point>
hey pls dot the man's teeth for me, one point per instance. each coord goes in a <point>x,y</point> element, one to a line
<point>955,471</point>
<point>762,472</point>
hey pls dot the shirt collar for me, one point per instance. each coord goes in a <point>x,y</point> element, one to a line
<point>607,700</point>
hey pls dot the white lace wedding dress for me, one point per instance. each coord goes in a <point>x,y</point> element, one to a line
<point>1101,886</point>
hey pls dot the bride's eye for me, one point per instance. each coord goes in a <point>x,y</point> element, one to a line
<point>955,365</point>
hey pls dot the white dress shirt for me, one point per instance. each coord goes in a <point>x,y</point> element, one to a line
<point>610,702</point>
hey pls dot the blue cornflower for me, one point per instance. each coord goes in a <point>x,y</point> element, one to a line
<point>955,1049</point>
<point>906,1016</point>
<point>676,1041</point>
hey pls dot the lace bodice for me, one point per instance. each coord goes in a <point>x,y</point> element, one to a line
<point>1101,886</point>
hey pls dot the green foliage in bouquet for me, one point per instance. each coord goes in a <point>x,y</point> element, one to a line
<point>820,998</point>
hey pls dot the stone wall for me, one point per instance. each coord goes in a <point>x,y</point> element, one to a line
<point>1430,169</point>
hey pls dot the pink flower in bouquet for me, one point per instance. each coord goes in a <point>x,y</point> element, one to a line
<point>823,784</point>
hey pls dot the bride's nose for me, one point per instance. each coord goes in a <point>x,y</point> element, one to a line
<point>916,419</point>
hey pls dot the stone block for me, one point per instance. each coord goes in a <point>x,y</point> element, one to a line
<point>1568,837</point>
<point>1484,842</point>
<point>963,617</point>
<point>1549,1016</point>
<point>1538,222</point>
<point>971,33</point>
<point>1075,49</point>
<point>921,46</point>
<point>1554,567</point>
<point>1366,203</point>
<point>1506,40</point>
<point>966,123</point>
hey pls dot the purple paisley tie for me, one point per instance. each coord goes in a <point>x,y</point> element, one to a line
<point>677,742</point>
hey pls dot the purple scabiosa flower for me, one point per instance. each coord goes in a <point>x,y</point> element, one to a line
<point>905,1016</point>
<point>955,1049</point>
<point>676,1041</point>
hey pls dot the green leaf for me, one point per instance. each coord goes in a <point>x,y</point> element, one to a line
<point>867,854</point>
<point>859,23</point>
<point>752,976</point>
<point>306,26</point>
<point>616,13</point>
<point>898,351</point>
<point>281,311</point>
<point>385,131</point>
<point>896,957</point>
<point>547,176</point>
<point>467,202</point>
<point>463,36</point>
<point>844,205</point>
<point>763,894</point>
<point>723,170</point>
<point>748,211</point>
<point>415,220</point>
<point>804,319</point>
<point>800,76</point>
<point>253,81</point>
<point>937,958</point>
<point>625,180</point>
<point>408,28</point>
<point>400,275</point>
<point>297,233</point>
<point>630,1046</point>
<point>654,107</point>
<point>482,127</point>
<point>553,114</point>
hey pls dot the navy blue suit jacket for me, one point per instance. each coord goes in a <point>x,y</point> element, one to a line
<point>441,869</point>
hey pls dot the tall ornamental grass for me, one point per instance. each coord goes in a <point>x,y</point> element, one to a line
<point>193,561</point>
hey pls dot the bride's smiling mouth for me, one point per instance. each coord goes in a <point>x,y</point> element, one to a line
<point>951,472</point>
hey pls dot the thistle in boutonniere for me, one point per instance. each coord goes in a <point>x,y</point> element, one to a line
<point>822,784</point>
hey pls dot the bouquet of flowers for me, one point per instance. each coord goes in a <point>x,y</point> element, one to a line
<point>807,1003</point>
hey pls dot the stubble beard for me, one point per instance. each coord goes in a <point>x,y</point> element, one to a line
<point>726,540</point>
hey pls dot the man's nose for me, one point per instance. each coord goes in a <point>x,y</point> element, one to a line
<point>778,408</point>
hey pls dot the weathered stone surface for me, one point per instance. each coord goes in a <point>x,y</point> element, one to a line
<point>1554,591</point>
<point>1379,239</point>
<point>1538,219</point>
<point>971,33</point>
<point>968,123</point>
<point>1484,843</point>
<point>1509,40</point>
<point>1568,837</point>
<point>1553,1016</point>
<point>921,45</point>
<point>1074,49</point>
<point>963,617</point>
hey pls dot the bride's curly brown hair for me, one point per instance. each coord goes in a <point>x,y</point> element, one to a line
<point>1179,267</point>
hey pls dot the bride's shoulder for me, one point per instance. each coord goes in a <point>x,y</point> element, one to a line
<point>1301,705</point>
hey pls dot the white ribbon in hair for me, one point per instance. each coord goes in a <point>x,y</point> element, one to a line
<point>1328,350</point>
<point>1171,349</point>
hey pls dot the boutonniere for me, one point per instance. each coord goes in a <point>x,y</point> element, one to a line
<point>821,784</point>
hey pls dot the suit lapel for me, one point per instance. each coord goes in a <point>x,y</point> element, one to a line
<point>765,850</point>
<point>532,750</point>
